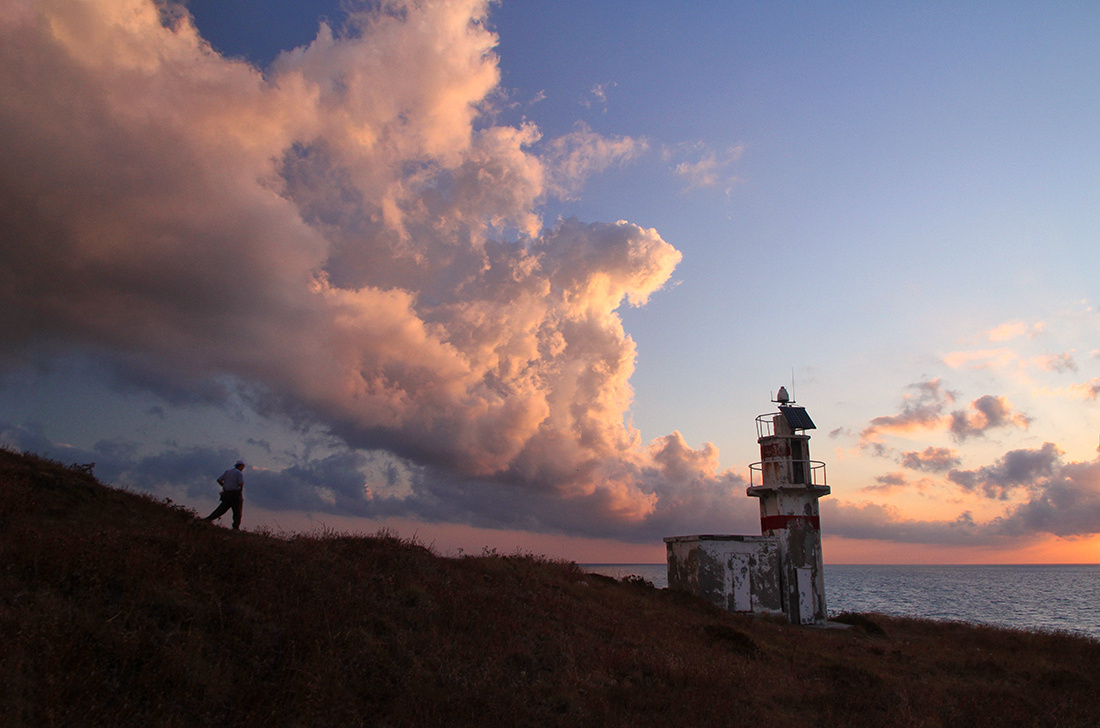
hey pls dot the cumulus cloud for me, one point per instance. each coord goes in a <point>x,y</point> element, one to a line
<point>344,239</point>
<point>1065,504</point>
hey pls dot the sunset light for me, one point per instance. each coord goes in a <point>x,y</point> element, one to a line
<point>521,275</point>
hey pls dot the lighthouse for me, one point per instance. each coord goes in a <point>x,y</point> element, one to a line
<point>789,486</point>
<point>780,571</point>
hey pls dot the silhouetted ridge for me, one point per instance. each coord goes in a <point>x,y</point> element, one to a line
<point>117,608</point>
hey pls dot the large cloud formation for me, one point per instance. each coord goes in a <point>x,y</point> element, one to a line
<point>350,239</point>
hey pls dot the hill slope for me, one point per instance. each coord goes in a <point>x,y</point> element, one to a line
<point>116,609</point>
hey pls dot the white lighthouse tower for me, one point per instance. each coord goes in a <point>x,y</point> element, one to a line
<point>788,488</point>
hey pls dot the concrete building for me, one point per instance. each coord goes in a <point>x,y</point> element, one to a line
<point>780,571</point>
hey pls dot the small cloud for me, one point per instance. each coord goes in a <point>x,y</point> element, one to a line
<point>1063,362</point>
<point>931,459</point>
<point>1088,390</point>
<point>980,359</point>
<point>985,413</point>
<point>597,95</point>
<point>897,481</point>
<point>572,158</point>
<point>705,167</point>
<point>1083,390</point>
<point>887,483</point>
<point>1014,330</point>
<point>965,520</point>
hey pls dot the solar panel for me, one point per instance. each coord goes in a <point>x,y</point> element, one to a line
<point>797,419</point>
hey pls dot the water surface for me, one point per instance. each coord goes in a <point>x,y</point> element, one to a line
<point>1038,597</point>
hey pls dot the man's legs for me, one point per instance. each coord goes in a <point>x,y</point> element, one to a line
<point>230,499</point>
<point>237,504</point>
<point>220,510</point>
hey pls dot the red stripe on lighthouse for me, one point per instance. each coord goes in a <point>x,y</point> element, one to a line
<point>773,523</point>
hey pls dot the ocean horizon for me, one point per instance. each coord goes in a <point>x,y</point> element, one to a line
<point>1043,597</point>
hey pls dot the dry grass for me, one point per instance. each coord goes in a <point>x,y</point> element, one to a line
<point>116,609</point>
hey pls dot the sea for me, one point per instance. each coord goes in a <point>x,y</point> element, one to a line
<point>1052,598</point>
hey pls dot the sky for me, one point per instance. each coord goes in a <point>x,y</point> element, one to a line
<point>521,275</point>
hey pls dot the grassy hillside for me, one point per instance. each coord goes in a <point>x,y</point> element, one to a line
<point>119,610</point>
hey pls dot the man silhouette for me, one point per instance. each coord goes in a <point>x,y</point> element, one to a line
<point>232,496</point>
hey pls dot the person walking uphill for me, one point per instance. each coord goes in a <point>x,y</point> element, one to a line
<point>232,496</point>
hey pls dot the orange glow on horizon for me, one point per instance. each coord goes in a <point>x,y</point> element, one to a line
<point>1049,550</point>
<point>448,539</point>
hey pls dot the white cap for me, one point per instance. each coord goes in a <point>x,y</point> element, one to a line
<point>239,462</point>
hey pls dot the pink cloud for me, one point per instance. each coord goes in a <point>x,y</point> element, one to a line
<point>349,241</point>
<point>980,359</point>
<point>1086,390</point>
<point>922,409</point>
<point>574,157</point>
<point>1013,330</point>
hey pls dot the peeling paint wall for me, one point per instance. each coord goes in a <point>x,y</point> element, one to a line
<point>784,458</point>
<point>738,573</point>
<point>790,515</point>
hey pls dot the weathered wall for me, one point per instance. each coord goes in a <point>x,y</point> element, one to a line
<point>783,460</point>
<point>738,573</point>
<point>790,515</point>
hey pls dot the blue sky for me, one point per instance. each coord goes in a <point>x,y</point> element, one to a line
<point>386,268</point>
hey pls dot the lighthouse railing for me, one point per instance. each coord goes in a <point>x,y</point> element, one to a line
<point>765,426</point>
<point>815,468</point>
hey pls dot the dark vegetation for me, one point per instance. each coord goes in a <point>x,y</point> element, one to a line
<point>117,609</point>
